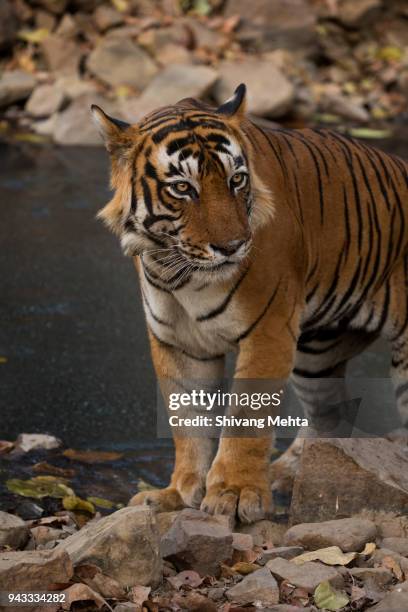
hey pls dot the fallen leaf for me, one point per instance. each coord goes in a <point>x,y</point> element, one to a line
<point>369,548</point>
<point>34,36</point>
<point>332,555</point>
<point>82,592</point>
<point>244,568</point>
<point>39,487</point>
<point>390,563</point>
<point>43,466</point>
<point>138,594</point>
<point>88,456</point>
<point>101,502</point>
<point>327,598</point>
<point>368,133</point>
<point>230,24</point>
<point>194,602</point>
<point>3,359</point>
<point>120,5</point>
<point>186,578</point>
<point>357,593</point>
<point>73,502</point>
<point>5,446</point>
<point>29,137</point>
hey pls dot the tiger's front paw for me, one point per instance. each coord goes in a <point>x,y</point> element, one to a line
<point>235,494</point>
<point>185,490</point>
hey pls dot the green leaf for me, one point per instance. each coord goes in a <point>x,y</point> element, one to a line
<point>72,502</point>
<point>39,487</point>
<point>101,502</point>
<point>369,133</point>
<point>327,598</point>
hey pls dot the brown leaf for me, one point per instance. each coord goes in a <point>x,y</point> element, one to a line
<point>186,578</point>
<point>87,570</point>
<point>82,592</point>
<point>357,593</point>
<point>139,594</point>
<point>5,446</point>
<point>47,468</point>
<point>88,456</point>
<point>391,564</point>
<point>194,602</point>
<point>231,24</point>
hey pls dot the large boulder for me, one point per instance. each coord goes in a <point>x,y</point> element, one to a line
<point>125,545</point>
<point>349,534</point>
<point>340,477</point>
<point>119,61</point>
<point>270,93</point>
<point>34,570</point>
<point>13,531</point>
<point>197,541</point>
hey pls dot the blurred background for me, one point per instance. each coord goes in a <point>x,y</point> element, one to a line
<point>74,357</point>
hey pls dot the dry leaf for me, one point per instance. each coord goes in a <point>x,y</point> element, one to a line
<point>186,578</point>
<point>34,36</point>
<point>194,602</point>
<point>139,594</point>
<point>391,564</point>
<point>5,446</point>
<point>82,592</point>
<point>357,593</point>
<point>332,555</point>
<point>88,456</point>
<point>43,466</point>
<point>369,548</point>
<point>245,568</point>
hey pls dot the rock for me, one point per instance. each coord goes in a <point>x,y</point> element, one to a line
<point>307,576</point>
<point>174,82</point>
<point>28,442</point>
<point>62,55</point>
<point>154,40</point>
<point>46,127</point>
<point>242,541</point>
<point>275,100</point>
<point>74,125</point>
<point>53,6</point>
<point>121,62</point>
<point>13,531</point>
<point>30,570</point>
<point>44,19</point>
<point>15,85</point>
<point>399,545</point>
<point>8,24</point>
<point>28,510</point>
<point>265,532</point>
<point>284,552</point>
<point>287,608</point>
<point>260,587</point>
<point>43,535</point>
<point>127,607</point>
<point>345,107</point>
<point>165,520</point>
<point>343,476</point>
<point>381,553</point>
<point>125,545</point>
<point>106,17</point>
<point>396,601</point>
<point>274,24</point>
<point>67,27</point>
<point>379,575</point>
<point>173,54</point>
<point>354,14</point>
<point>350,534</point>
<point>45,100</point>
<point>73,86</point>
<point>197,541</point>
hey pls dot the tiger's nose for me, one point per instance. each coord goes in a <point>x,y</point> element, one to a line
<point>229,248</point>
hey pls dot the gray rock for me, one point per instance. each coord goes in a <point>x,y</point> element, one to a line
<point>344,476</point>
<point>197,541</point>
<point>307,576</point>
<point>73,86</point>
<point>8,24</point>
<point>379,575</point>
<point>30,570</point>
<point>349,534</point>
<point>74,125</point>
<point>275,100</point>
<point>287,608</point>
<point>265,532</point>
<point>355,14</point>
<point>174,82</point>
<point>399,545</point>
<point>106,17</point>
<point>380,554</point>
<point>396,601</point>
<point>345,107</point>
<point>15,85</point>
<point>242,541</point>
<point>53,6</point>
<point>45,100</point>
<point>121,62</point>
<point>28,442</point>
<point>125,545</point>
<point>61,54</point>
<point>284,552</point>
<point>13,531</point>
<point>260,587</point>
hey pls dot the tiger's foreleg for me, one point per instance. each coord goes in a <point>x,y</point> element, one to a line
<point>238,481</point>
<point>193,455</point>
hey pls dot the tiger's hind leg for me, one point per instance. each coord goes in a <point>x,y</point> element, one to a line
<point>319,381</point>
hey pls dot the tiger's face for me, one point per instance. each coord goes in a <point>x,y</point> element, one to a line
<point>183,187</point>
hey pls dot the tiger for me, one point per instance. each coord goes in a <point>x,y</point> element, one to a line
<point>287,247</point>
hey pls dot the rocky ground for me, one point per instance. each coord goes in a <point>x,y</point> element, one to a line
<point>304,61</point>
<point>343,547</point>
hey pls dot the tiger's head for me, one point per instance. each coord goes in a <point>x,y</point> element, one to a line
<point>185,189</point>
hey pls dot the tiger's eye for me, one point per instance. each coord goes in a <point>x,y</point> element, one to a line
<point>238,179</point>
<point>182,186</point>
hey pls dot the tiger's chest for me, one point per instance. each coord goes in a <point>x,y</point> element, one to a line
<point>187,319</point>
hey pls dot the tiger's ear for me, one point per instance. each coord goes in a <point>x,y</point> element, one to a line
<point>236,105</point>
<point>113,131</point>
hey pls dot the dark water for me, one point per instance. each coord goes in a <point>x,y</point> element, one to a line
<point>74,358</point>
